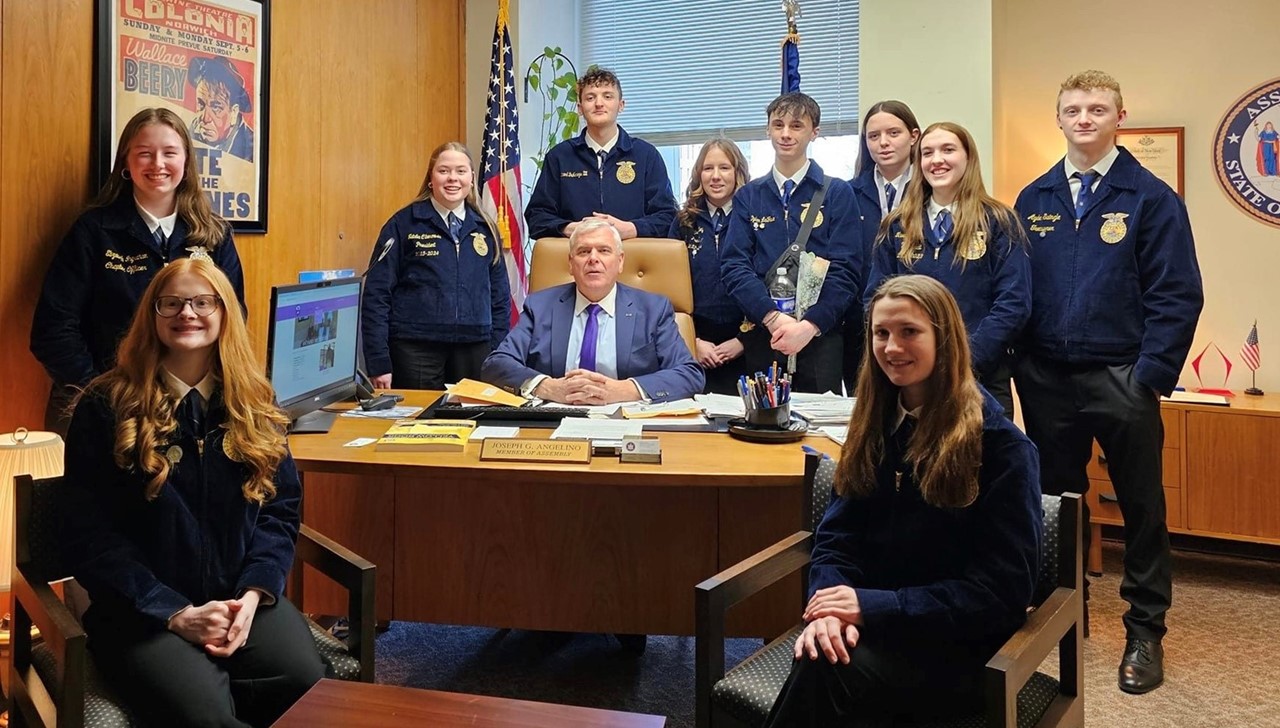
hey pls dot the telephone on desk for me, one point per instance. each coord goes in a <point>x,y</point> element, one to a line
<point>369,399</point>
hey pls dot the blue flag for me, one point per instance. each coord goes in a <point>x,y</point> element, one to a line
<point>791,63</point>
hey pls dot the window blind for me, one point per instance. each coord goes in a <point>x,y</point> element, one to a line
<point>694,68</point>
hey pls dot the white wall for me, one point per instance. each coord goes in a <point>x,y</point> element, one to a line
<point>936,56</point>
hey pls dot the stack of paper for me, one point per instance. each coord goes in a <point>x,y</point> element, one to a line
<point>1198,398</point>
<point>677,408</point>
<point>599,432</point>
<point>822,409</point>
<point>721,405</point>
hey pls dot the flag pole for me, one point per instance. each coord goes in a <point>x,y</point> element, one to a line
<point>504,228</point>
<point>1253,373</point>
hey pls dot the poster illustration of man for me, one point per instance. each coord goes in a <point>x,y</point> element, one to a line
<point>221,103</point>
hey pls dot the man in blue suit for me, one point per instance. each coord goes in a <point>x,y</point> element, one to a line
<point>595,341</point>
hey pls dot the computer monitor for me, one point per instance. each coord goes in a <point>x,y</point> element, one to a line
<point>311,348</point>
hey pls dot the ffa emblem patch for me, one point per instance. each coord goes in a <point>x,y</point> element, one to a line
<point>977,246</point>
<point>1246,153</point>
<point>626,172</point>
<point>199,252</point>
<point>480,244</point>
<point>804,214</point>
<point>173,455</point>
<point>1114,229</point>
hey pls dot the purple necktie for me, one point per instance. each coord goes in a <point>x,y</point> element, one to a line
<point>587,357</point>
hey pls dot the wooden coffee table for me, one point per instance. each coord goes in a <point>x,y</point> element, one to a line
<point>354,704</point>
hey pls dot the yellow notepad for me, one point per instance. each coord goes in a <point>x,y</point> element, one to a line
<point>426,436</point>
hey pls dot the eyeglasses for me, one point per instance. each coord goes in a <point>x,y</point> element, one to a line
<point>203,305</point>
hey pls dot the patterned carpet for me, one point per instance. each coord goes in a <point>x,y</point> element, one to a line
<point>1222,657</point>
<point>1222,653</point>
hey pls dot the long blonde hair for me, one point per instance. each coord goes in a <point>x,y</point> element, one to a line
<point>203,226</point>
<point>694,194</point>
<point>971,210</point>
<point>144,408</point>
<point>473,200</point>
<point>946,448</point>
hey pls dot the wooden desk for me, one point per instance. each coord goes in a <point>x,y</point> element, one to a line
<point>340,704</point>
<point>1220,466</point>
<point>604,547</point>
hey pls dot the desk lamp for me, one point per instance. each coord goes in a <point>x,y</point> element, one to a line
<point>38,454</point>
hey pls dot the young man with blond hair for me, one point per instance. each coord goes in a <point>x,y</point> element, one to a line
<point>1116,294</point>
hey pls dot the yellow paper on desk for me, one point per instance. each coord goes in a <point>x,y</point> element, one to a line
<point>426,436</point>
<point>469,391</point>
<point>680,408</point>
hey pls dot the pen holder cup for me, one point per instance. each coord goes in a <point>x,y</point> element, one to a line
<point>778,417</point>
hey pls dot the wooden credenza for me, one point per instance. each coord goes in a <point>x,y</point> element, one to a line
<point>1221,473</point>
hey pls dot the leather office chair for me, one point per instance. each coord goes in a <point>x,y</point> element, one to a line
<point>53,680</point>
<point>1016,694</point>
<point>655,265</point>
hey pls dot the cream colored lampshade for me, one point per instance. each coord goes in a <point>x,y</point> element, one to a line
<point>38,454</point>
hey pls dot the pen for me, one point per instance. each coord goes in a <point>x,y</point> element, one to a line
<point>814,451</point>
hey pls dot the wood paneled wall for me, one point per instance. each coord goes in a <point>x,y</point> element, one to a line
<point>360,94</point>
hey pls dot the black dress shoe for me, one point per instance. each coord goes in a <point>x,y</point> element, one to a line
<point>1142,667</point>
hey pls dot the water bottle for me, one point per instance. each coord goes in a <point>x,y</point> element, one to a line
<point>783,293</point>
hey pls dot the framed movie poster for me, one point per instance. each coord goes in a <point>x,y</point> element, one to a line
<point>206,61</point>
<point>1159,149</point>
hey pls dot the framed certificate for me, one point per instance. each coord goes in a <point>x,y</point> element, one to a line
<point>1159,149</point>
<point>207,62</point>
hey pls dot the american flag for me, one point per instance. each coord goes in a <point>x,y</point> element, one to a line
<point>1249,352</point>
<point>501,194</point>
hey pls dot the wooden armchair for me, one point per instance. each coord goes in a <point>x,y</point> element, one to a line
<point>53,681</point>
<point>1016,694</point>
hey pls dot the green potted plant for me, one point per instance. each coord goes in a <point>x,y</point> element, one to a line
<point>558,85</point>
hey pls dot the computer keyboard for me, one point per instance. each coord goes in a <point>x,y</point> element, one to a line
<point>449,411</point>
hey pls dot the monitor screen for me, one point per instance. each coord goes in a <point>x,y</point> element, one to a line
<point>312,344</point>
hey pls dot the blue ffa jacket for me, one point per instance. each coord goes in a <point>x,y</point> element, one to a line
<point>759,230</point>
<point>422,287</point>
<point>869,214</point>
<point>199,540</point>
<point>965,574</point>
<point>993,289</point>
<point>94,283</point>
<point>650,349</point>
<point>633,186</point>
<point>1122,289</point>
<point>711,302</point>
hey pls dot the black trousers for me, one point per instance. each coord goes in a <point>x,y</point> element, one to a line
<point>886,680</point>
<point>997,382</point>
<point>168,681</point>
<point>57,412</point>
<point>429,364</point>
<point>1065,408</point>
<point>724,378</point>
<point>817,365</point>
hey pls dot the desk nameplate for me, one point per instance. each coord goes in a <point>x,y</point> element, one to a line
<point>533,450</point>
